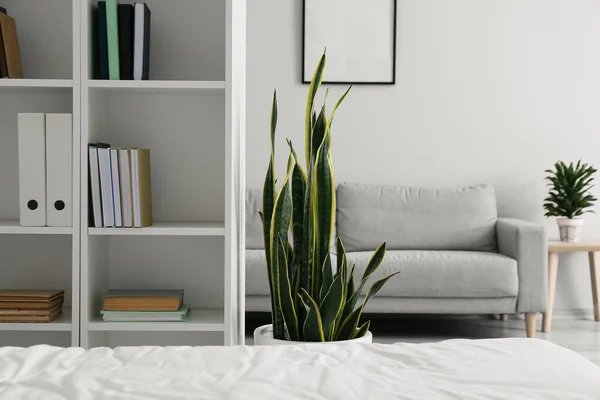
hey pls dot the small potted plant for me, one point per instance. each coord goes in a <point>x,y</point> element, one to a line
<point>313,294</point>
<point>569,197</point>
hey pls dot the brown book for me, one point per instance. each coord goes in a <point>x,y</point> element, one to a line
<point>3,66</point>
<point>31,305</point>
<point>143,300</point>
<point>30,312</point>
<point>11,46</point>
<point>30,318</point>
<point>30,295</point>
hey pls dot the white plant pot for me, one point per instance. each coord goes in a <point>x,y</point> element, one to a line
<point>263,336</point>
<point>570,229</point>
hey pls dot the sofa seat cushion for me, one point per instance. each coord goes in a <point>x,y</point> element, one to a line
<point>436,274</point>
<point>409,218</point>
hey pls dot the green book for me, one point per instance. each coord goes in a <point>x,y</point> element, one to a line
<point>112,34</point>
<point>181,315</point>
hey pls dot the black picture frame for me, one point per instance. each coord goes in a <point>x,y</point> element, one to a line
<point>303,71</point>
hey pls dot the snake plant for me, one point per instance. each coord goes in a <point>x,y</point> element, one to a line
<point>313,293</point>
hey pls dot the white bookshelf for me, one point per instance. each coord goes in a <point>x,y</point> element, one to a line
<point>191,115</point>
<point>41,257</point>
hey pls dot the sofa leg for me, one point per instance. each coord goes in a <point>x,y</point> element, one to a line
<point>530,324</point>
<point>504,317</point>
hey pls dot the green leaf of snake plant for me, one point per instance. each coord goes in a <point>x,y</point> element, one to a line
<point>331,306</point>
<point>348,326</point>
<point>315,84</point>
<point>286,299</point>
<point>374,262</point>
<point>340,101</point>
<point>323,207</point>
<point>362,331</point>
<point>376,287</point>
<point>313,326</point>
<point>268,199</point>
<point>327,278</point>
<point>280,222</point>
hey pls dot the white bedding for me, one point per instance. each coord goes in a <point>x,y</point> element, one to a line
<point>457,369</point>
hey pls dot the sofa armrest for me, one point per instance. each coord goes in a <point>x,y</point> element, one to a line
<point>526,242</point>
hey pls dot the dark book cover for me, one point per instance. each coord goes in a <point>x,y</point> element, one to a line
<point>141,63</point>
<point>3,64</point>
<point>125,13</point>
<point>101,42</point>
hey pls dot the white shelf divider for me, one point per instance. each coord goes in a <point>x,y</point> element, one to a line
<point>201,320</point>
<point>62,324</point>
<point>166,229</point>
<point>156,86</point>
<point>13,227</point>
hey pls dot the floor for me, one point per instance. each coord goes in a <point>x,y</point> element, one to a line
<point>578,333</point>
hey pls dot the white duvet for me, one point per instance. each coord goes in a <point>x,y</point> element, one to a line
<point>457,369</point>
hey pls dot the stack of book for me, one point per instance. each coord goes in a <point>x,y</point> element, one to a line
<point>30,305</point>
<point>10,54</point>
<point>144,306</point>
<point>123,41</point>
<point>120,187</point>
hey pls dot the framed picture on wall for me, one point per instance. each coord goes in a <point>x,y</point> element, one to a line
<point>360,38</point>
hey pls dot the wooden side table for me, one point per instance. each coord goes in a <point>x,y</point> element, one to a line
<point>554,249</point>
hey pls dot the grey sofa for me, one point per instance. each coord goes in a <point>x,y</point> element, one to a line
<point>454,253</point>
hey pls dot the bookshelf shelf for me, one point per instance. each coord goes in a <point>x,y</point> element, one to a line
<point>62,324</point>
<point>12,227</point>
<point>156,86</point>
<point>36,84</point>
<point>166,229</point>
<point>201,320</point>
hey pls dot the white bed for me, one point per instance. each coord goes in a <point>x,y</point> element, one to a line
<point>457,369</point>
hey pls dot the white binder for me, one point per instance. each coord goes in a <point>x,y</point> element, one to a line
<point>32,169</point>
<point>59,169</point>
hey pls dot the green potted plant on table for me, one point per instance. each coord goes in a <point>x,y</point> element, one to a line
<point>569,197</point>
<point>313,293</point>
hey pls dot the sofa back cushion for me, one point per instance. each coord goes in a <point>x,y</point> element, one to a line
<point>410,218</point>
<point>254,230</point>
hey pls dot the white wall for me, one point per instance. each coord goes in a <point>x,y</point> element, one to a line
<point>487,91</point>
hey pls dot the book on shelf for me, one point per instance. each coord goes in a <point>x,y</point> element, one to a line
<point>108,213</point>
<point>180,315</point>
<point>126,195</point>
<point>116,187</point>
<point>141,188</point>
<point>126,16</point>
<point>112,35</point>
<point>122,41</point>
<point>11,52</point>
<point>143,300</point>
<point>141,58</point>
<point>120,187</point>
<point>24,305</point>
<point>101,48</point>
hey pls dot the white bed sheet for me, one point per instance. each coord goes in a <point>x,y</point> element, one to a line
<point>457,369</point>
